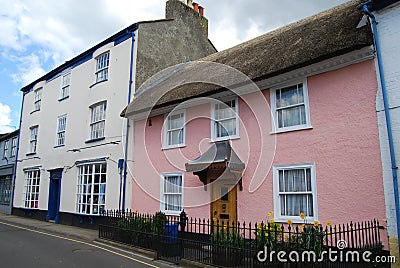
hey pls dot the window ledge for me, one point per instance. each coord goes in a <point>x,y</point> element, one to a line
<point>172,213</point>
<point>94,140</point>
<point>173,147</point>
<point>290,130</point>
<point>61,99</point>
<point>58,146</point>
<point>24,208</point>
<point>28,154</point>
<point>224,138</point>
<point>34,111</point>
<point>295,220</point>
<point>98,82</point>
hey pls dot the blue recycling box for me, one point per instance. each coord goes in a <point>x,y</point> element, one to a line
<point>171,232</point>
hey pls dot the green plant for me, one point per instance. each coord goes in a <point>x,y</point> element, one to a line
<point>268,234</point>
<point>159,221</point>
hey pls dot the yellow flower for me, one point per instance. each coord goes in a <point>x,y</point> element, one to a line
<point>289,222</point>
<point>302,215</point>
<point>316,223</point>
<point>328,223</point>
<point>272,221</point>
<point>214,219</point>
<point>303,226</point>
<point>136,211</point>
<point>269,214</point>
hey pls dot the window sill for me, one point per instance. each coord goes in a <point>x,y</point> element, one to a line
<point>94,140</point>
<point>29,154</point>
<point>290,129</point>
<point>295,220</point>
<point>58,146</point>
<point>98,82</point>
<point>24,208</point>
<point>173,147</point>
<point>61,99</point>
<point>34,111</point>
<point>172,213</point>
<point>235,137</point>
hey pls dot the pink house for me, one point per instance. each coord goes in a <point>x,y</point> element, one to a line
<point>283,123</point>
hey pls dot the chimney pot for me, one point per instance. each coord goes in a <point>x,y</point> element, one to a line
<point>196,7</point>
<point>190,3</point>
<point>201,10</point>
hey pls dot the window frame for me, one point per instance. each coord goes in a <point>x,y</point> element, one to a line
<point>277,193</point>
<point>6,149</point>
<point>65,86</point>
<point>14,142</point>
<point>99,121</point>
<point>102,67</point>
<point>274,109</point>
<point>162,192</point>
<point>30,191</point>
<point>37,101</point>
<point>214,121</point>
<point>33,140</point>
<point>83,189</point>
<point>166,131</point>
<point>62,132</point>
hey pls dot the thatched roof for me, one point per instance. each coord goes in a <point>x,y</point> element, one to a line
<point>328,34</point>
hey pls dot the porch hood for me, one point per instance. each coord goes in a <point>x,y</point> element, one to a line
<point>219,162</point>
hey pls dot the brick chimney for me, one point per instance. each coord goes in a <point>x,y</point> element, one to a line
<point>189,13</point>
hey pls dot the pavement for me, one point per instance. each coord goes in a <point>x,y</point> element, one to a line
<point>83,234</point>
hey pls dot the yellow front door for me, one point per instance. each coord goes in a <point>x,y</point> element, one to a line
<point>224,203</point>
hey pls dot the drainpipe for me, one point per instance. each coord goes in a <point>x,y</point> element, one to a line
<point>127,121</point>
<point>364,7</point>
<point>16,155</point>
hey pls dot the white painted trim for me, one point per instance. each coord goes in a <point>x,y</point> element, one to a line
<point>162,175</point>
<point>212,120</point>
<point>275,128</point>
<point>164,132</point>
<point>277,203</point>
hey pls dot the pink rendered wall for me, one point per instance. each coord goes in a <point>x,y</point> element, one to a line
<point>343,143</point>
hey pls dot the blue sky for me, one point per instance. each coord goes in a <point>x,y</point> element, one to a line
<point>37,36</point>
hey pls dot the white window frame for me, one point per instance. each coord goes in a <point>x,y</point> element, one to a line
<point>13,146</point>
<point>274,109</point>
<point>6,148</point>
<point>278,194</point>
<point>98,120</point>
<point>65,85</point>
<point>102,65</point>
<point>33,139</point>
<point>31,189</point>
<point>37,103</point>
<point>163,193</point>
<point>61,130</point>
<point>166,129</point>
<point>214,122</point>
<point>85,194</point>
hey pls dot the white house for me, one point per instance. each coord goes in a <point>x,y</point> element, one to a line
<point>73,161</point>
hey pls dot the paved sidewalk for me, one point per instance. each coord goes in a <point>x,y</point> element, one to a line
<point>59,229</point>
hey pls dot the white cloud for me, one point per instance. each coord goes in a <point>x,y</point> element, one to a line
<point>5,119</point>
<point>29,69</point>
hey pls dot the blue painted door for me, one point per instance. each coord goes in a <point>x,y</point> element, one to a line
<point>54,195</point>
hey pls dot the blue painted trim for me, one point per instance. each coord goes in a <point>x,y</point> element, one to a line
<point>365,9</point>
<point>94,140</point>
<point>127,120</point>
<point>80,162</point>
<point>67,97</point>
<point>81,58</point>
<point>98,82</point>
<point>122,39</point>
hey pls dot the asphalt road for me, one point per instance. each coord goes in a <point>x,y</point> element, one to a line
<point>24,247</point>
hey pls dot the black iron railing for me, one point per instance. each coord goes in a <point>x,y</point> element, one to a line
<point>228,244</point>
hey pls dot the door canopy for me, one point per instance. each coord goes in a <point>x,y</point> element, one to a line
<point>219,162</point>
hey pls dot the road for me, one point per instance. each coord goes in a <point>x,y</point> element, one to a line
<point>24,247</point>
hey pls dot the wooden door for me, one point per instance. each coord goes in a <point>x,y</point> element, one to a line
<point>224,203</point>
